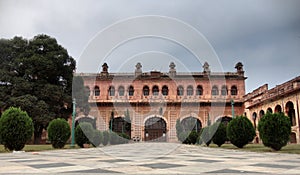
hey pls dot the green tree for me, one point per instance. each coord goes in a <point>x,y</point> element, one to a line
<point>240,131</point>
<point>206,135</point>
<point>274,130</point>
<point>58,132</point>
<point>80,93</point>
<point>179,130</point>
<point>38,69</point>
<point>84,132</point>
<point>97,138</point>
<point>16,128</point>
<point>220,136</point>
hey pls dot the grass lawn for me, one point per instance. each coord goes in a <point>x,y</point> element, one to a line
<point>32,148</point>
<point>290,148</point>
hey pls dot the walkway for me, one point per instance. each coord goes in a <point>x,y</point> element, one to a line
<point>150,158</point>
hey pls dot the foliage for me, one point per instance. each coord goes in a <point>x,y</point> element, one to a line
<point>187,137</point>
<point>83,133</point>
<point>16,128</point>
<point>36,75</point>
<point>118,138</point>
<point>127,122</point>
<point>274,130</point>
<point>240,131</point>
<point>206,135</point>
<point>80,93</point>
<point>58,132</point>
<point>179,130</point>
<point>97,138</point>
<point>106,137</point>
<point>220,136</point>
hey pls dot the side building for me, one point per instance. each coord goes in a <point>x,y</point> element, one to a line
<point>154,101</point>
<point>282,98</point>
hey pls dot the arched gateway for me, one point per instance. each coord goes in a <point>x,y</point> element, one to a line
<point>155,129</point>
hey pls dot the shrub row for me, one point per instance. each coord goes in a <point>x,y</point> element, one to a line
<point>274,130</point>
<point>85,134</point>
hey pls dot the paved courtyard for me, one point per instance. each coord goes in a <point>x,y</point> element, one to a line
<point>150,158</point>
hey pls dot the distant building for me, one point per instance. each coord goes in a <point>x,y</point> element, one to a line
<point>155,100</point>
<point>283,98</point>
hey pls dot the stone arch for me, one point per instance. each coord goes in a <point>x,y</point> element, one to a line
<point>261,113</point>
<point>155,90</point>
<point>165,90</point>
<point>155,128</point>
<point>224,119</point>
<point>96,91</point>
<point>119,125</point>
<point>190,90</point>
<point>121,91</point>
<point>278,109</point>
<point>146,90</point>
<point>270,110</point>
<point>192,115</point>
<point>191,123</point>
<point>89,119</point>
<point>290,111</point>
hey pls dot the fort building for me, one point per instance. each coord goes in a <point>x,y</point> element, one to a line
<point>153,101</point>
<point>282,98</point>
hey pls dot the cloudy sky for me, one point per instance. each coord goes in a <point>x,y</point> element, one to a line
<point>262,34</point>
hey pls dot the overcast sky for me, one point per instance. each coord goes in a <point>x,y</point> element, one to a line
<point>262,34</point>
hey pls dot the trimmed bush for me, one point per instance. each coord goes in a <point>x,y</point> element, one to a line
<point>16,128</point>
<point>205,135</point>
<point>220,136</point>
<point>274,130</point>
<point>240,131</point>
<point>58,132</point>
<point>97,138</point>
<point>106,137</point>
<point>179,130</point>
<point>189,137</point>
<point>118,138</point>
<point>83,133</point>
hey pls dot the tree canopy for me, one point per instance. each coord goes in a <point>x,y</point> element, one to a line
<point>36,75</point>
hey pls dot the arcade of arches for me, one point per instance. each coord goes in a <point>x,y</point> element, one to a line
<point>155,100</point>
<point>283,98</point>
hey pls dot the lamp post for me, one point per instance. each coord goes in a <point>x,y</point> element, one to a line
<point>73,124</point>
<point>232,108</point>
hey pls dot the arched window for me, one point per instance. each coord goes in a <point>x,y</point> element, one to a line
<point>278,109</point>
<point>180,91</point>
<point>189,91</point>
<point>261,113</point>
<point>224,90</point>
<point>155,90</point>
<point>165,90</point>
<point>215,90</point>
<point>96,91</point>
<point>131,91</point>
<point>121,91</point>
<point>234,90</point>
<point>270,110</point>
<point>111,91</point>
<point>146,90</point>
<point>199,90</point>
<point>290,110</point>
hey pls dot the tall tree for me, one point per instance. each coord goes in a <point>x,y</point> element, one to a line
<point>36,75</point>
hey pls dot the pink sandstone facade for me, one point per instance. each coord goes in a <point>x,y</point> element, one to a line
<point>282,98</point>
<point>155,100</point>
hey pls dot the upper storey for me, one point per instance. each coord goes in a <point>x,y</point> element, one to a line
<point>205,86</point>
<point>263,95</point>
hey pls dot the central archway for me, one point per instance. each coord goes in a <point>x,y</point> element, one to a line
<point>155,129</point>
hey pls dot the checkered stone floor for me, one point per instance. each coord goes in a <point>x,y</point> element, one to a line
<point>150,158</point>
